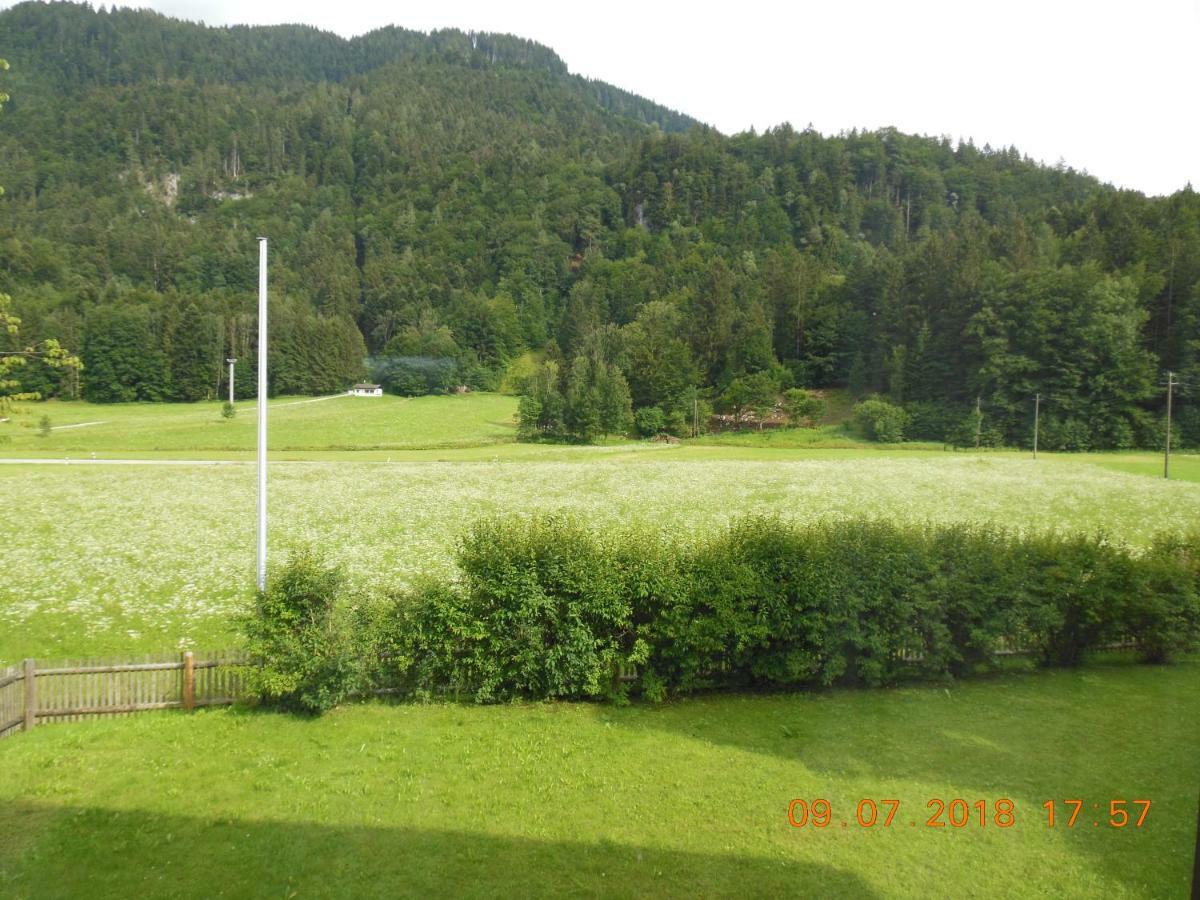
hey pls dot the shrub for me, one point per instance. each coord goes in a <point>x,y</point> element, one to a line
<point>546,608</point>
<point>976,585</point>
<point>776,604</point>
<point>1072,588</point>
<point>415,375</point>
<point>1189,425</point>
<point>1160,436</point>
<point>802,407</point>
<point>649,421</point>
<point>881,421</point>
<point>974,430</point>
<point>303,638</point>
<point>1162,611</point>
<point>541,611</point>
<point>228,410</point>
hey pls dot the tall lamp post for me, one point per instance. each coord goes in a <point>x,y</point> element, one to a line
<point>262,413</point>
<point>231,361</point>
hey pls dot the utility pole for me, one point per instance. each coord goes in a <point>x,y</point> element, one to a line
<point>262,413</point>
<point>1037,409</point>
<point>1171,382</point>
<point>231,361</point>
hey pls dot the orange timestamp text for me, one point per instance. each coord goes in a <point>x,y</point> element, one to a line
<point>958,812</point>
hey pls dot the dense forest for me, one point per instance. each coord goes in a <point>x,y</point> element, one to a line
<point>439,204</point>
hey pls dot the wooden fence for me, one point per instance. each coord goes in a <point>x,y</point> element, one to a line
<point>37,692</point>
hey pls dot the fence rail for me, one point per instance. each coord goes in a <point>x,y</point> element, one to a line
<point>33,694</point>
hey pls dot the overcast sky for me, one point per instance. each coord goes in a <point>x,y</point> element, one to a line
<point>1110,87</point>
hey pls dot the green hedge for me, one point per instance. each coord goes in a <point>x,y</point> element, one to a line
<point>548,608</point>
<point>305,639</point>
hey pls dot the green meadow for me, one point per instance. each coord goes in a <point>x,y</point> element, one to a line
<point>584,800</point>
<point>144,557</point>
<point>338,422</point>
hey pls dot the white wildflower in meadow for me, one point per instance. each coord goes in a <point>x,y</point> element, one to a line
<point>140,558</point>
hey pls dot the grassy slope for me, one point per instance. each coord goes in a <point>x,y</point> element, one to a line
<point>582,800</point>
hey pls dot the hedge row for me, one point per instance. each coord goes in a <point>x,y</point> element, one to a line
<point>546,607</point>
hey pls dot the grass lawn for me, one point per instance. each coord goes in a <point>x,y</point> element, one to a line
<point>1184,466</point>
<point>471,427</point>
<point>340,422</point>
<point>689,799</point>
<point>823,437</point>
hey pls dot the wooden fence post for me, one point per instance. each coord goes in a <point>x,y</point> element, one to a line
<point>30,695</point>
<point>189,681</point>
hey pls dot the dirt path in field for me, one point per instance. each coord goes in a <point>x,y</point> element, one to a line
<point>76,425</point>
<point>301,402</point>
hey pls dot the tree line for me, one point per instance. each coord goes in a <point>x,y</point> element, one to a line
<point>455,200</point>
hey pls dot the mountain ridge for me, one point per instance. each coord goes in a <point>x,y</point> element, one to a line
<point>98,48</point>
<point>462,197</point>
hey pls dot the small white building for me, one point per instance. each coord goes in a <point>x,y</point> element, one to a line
<point>366,390</point>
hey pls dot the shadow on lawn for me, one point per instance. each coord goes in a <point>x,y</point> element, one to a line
<point>96,852</point>
<point>1115,730</point>
<point>1017,724</point>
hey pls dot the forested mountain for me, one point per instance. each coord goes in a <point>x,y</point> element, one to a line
<point>441,203</point>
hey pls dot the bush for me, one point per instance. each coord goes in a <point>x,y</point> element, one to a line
<point>649,421</point>
<point>773,604</point>
<point>542,610</point>
<point>802,407</point>
<point>228,410</point>
<point>1072,590</point>
<point>1189,425</point>
<point>546,608</point>
<point>303,638</point>
<point>881,421</point>
<point>1162,611</point>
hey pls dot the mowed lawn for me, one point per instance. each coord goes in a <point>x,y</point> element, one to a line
<point>688,799</point>
<point>340,422</point>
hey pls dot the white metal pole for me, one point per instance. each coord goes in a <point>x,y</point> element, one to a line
<point>231,362</point>
<point>262,413</point>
